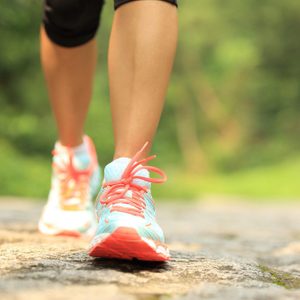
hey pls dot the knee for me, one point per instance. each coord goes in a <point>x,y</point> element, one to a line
<point>121,2</point>
<point>71,23</point>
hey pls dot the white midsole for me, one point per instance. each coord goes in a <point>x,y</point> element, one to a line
<point>43,228</point>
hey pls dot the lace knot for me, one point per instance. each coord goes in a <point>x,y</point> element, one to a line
<point>116,195</point>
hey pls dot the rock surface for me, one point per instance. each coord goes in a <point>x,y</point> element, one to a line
<point>220,250</point>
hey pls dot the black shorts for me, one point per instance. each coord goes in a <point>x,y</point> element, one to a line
<point>71,23</point>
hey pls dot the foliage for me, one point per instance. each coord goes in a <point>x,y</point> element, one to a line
<point>233,103</point>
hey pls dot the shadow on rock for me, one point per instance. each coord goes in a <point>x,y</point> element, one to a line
<point>129,266</point>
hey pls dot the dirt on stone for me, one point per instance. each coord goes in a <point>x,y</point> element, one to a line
<point>220,250</point>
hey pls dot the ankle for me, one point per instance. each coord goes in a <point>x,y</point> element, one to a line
<point>130,151</point>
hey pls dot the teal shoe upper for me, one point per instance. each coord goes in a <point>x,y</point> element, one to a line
<point>125,199</point>
<point>146,226</point>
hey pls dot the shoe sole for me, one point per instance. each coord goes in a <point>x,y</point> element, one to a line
<point>125,243</point>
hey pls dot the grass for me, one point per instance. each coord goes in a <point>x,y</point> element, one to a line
<point>21,175</point>
<point>278,181</point>
<point>28,176</point>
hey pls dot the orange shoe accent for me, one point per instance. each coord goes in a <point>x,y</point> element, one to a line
<point>125,243</point>
<point>73,234</point>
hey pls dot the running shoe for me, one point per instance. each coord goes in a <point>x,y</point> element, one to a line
<point>75,181</point>
<point>127,228</point>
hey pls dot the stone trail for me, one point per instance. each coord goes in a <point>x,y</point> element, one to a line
<point>220,250</point>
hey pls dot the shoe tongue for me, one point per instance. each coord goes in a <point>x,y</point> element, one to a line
<point>81,162</point>
<point>114,171</point>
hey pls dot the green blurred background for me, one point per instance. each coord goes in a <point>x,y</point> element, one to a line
<point>231,124</point>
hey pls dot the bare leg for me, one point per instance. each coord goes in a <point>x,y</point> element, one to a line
<point>141,52</point>
<point>69,75</point>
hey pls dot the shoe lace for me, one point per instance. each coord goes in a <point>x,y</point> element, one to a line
<point>73,183</point>
<point>116,193</point>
